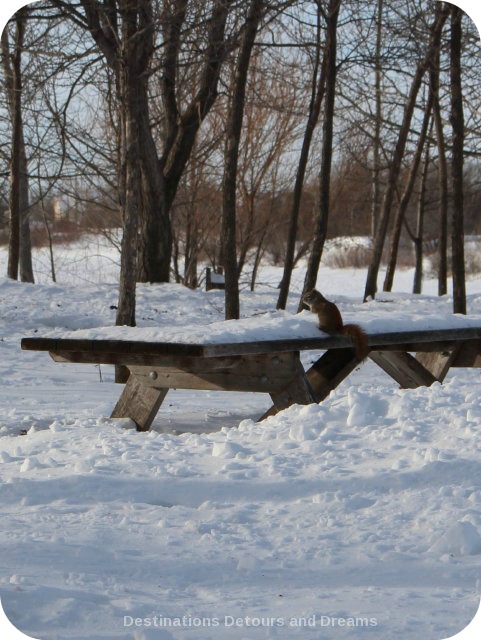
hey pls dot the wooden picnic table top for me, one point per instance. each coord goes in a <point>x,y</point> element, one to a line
<point>269,365</point>
<point>418,340</point>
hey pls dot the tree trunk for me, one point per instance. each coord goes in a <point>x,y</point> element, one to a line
<point>418,239</point>
<point>130,90</point>
<point>50,241</point>
<point>19,253</point>
<point>130,213</point>
<point>191,250</point>
<point>231,156</point>
<point>376,170</point>
<point>395,166</point>
<point>14,192</point>
<point>25,256</point>
<point>246,241</point>
<point>457,124</point>
<point>317,94</point>
<point>257,258</point>
<point>155,233</point>
<point>442,177</point>
<point>326,154</point>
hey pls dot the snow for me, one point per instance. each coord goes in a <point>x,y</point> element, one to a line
<point>276,325</point>
<point>359,517</point>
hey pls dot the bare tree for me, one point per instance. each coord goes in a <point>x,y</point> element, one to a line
<point>160,170</point>
<point>406,197</point>
<point>123,33</point>
<point>270,128</point>
<point>418,236</point>
<point>442,174</point>
<point>19,254</point>
<point>164,170</point>
<point>331,16</point>
<point>395,166</point>
<point>377,164</point>
<point>318,84</point>
<point>231,157</point>
<point>457,124</point>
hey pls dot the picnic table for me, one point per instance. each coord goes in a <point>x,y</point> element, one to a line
<point>273,366</point>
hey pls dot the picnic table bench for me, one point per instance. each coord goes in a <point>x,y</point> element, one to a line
<point>268,366</point>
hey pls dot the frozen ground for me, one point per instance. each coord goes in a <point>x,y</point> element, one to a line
<point>358,518</point>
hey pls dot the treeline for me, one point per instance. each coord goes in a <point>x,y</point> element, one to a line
<point>227,130</point>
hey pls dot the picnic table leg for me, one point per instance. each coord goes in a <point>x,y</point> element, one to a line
<point>315,384</point>
<point>468,354</point>
<point>330,370</point>
<point>298,391</point>
<point>404,368</point>
<point>139,402</point>
<point>439,362</point>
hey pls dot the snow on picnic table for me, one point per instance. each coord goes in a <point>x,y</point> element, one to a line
<point>356,518</point>
<point>273,325</point>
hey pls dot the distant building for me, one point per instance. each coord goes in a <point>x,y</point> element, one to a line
<point>60,209</point>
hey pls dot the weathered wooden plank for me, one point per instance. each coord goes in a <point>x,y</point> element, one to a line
<point>297,391</point>
<point>259,373</point>
<point>439,362</point>
<point>101,357</point>
<point>405,341</point>
<point>139,403</point>
<point>127,347</point>
<point>404,368</point>
<point>414,347</point>
<point>152,359</point>
<point>324,375</point>
<point>425,335</point>
<point>469,355</point>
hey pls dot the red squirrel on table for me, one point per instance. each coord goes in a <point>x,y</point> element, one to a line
<point>330,321</point>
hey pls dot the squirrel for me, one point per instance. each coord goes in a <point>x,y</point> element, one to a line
<point>330,321</point>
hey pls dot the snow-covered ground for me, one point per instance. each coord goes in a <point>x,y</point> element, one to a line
<point>356,518</point>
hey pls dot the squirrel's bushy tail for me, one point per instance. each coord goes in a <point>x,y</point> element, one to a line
<point>359,340</point>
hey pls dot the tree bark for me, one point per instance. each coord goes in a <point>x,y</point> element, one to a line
<point>418,239</point>
<point>155,231</point>
<point>25,257</point>
<point>130,70</point>
<point>457,124</point>
<point>19,253</point>
<point>376,171</point>
<point>130,210</point>
<point>395,166</point>
<point>442,177</point>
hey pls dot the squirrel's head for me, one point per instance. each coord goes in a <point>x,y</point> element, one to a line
<point>311,296</point>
